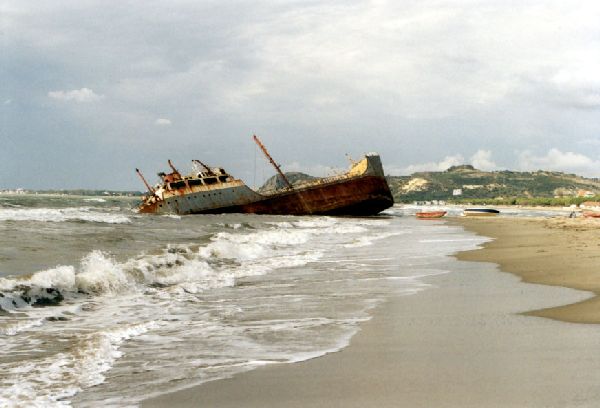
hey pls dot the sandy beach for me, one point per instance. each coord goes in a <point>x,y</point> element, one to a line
<point>476,338</point>
<point>552,251</point>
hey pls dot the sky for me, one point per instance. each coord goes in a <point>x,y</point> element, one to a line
<point>90,89</point>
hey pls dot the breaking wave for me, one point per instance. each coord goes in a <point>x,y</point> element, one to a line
<point>226,257</point>
<point>104,313</point>
<point>87,214</point>
<point>64,374</point>
<point>95,200</point>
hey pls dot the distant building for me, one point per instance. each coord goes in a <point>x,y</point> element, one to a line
<point>457,192</point>
<point>17,191</point>
<point>590,204</point>
<point>585,193</point>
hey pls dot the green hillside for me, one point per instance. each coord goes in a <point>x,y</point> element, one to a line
<point>500,186</point>
<point>477,186</point>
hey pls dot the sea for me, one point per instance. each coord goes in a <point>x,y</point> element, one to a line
<point>100,305</point>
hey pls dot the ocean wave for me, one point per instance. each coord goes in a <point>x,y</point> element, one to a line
<point>61,215</point>
<point>49,381</point>
<point>95,200</point>
<point>369,240</point>
<point>98,274</point>
<point>227,257</point>
<point>158,318</point>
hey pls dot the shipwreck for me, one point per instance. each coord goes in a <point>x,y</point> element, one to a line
<point>362,190</point>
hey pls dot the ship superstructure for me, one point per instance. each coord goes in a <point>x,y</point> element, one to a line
<point>362,190</point>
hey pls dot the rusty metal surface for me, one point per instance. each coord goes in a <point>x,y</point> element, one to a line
<point>360,196</point>
<point>361,191</point>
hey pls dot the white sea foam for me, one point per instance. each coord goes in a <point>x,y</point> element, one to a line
<point>49,381</point>
<point>200,333</point>
<point>14,327</point>
<point>95,200</point>
<point>370,239</point>
<point>431,241</point>
<point>61,215</point>
<point>254,253</point>
<point>251,246</point>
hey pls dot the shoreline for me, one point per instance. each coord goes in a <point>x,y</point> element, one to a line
<point>459,343</point>
<point>550,251</point>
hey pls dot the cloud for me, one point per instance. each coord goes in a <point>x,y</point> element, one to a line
<point>458,75</point>
<point>77,95</point>
<point>447,162</point>
<point>482,160</point>
<point>8,101</point>
<point>558,160</point>
<point>591,142</point>
<point>163,122</point>
<point>575,87</point>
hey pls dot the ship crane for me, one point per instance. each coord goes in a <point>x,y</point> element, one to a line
<point>175,171</point>
<point>264,150</point>
<point>208,170</point>
<point>150,189</point>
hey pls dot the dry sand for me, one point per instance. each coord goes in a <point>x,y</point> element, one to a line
<point>461,343</point>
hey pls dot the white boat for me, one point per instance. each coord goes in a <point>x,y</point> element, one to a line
<point>480,212</point>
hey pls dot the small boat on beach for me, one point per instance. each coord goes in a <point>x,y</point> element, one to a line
<point>591,214</point>
<point>480,212</point>
<point>428,215</point>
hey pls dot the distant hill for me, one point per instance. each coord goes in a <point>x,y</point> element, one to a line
<point>507,187</point>
<point>275,182</point>
<point>477,184</point>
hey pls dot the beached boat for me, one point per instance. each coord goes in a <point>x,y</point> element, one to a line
<point>430,214</point>
<point>480,212</point>
<point>363,190</point>
<point>591,214</point>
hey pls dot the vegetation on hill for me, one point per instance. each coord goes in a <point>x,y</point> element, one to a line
<point>501,187</point>
<point>479,187</point>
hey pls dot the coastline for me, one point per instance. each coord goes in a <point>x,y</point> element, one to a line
<point>551,251</point>
<point>464,342</point>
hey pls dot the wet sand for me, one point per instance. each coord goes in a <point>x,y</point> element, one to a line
<point>552,251</point>
<point>464,342</point>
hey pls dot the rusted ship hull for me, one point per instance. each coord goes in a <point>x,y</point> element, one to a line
<point>365,196</point>
<point>361,191</point>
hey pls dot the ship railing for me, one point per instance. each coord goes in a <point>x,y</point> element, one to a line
<point>324,180</point>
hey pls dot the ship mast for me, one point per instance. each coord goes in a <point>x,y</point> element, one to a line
<point>208,170</point>
<point>175,171</point>
<point>264,149</point>
<point>150,189</point>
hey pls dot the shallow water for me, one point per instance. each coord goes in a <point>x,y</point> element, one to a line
<point>99,303</point>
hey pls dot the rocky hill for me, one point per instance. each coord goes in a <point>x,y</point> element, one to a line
<point>276,183</point>
<point>466,182</point>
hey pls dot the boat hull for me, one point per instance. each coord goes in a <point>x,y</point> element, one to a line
<point>367,195</point>
<point>430,215</point>
<point>361,191</point>
<point>480,212</point>
<point>363,196</point>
